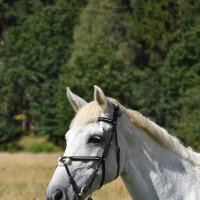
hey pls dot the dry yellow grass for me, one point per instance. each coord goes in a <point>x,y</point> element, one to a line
<point>24,176</point>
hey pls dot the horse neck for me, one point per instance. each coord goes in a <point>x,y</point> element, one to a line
<point>152,171</point>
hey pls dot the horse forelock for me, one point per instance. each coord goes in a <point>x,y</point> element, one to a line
<point>88,113</point>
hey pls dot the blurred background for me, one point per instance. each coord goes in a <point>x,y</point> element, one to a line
<point>144,53</point>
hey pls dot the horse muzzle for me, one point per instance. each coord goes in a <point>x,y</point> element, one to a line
<point>58,194</point>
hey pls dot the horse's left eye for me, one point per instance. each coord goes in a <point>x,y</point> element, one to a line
<point>94,139</point>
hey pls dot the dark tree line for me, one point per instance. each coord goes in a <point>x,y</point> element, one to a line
<point>144,53</point>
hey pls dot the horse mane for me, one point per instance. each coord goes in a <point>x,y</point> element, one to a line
<point>161,135</point>
<point>92,111</point>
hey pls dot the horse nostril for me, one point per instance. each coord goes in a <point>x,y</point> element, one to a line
<point>58,195</point>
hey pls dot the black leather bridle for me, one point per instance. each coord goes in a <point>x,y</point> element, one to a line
<point>65,160</point>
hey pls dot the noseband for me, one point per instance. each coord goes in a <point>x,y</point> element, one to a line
<point>65,160</point>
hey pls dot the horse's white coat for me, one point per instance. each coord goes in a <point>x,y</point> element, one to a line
<point>150,170</point>
<point>153,172</point>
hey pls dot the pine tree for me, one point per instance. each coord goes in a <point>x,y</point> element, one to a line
<point>122,46</point>
<point>182,86</point>
<point>102,56</point>
<point>33,54</point>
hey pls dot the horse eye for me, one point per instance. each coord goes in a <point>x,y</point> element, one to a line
<point>94,139</point>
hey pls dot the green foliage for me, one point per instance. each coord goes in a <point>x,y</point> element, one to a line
<point>11,147</point>
<point>98,57</point>
<point>31,143</point>
<point>157,29</point>
<point>33,55</point>
<point>133,52</point>
<point>144,53</point>
<point>182,87</point>
<point>122,49</point>
<point>188,125</point>
<point>3,6</point>
<point>36,144</point>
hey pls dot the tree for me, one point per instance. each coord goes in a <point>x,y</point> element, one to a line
<point>101,55</point>
<point>122,47</point>
<point>182,86</point>
<point>128,48</point>
<point>33,55</point>
<point>144,53</point>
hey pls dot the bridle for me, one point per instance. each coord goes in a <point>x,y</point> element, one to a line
<point>65,160</point>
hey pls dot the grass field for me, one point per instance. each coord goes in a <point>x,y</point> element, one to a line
<point>24,176</point>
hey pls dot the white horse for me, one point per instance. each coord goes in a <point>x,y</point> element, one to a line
<point>152,163</point>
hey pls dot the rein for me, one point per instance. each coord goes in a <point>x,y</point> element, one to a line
<point>65,160</point>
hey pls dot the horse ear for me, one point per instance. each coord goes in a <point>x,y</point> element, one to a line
<point>76,101</point>
<point>100,98</point>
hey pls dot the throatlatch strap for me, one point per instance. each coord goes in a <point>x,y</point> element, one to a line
<point>117,158</point>
<point>103,173</point>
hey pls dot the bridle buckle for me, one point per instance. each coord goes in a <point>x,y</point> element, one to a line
<point>63,161</point>
<point>67,161</point>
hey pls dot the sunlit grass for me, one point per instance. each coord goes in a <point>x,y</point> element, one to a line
<point>24,176</point>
